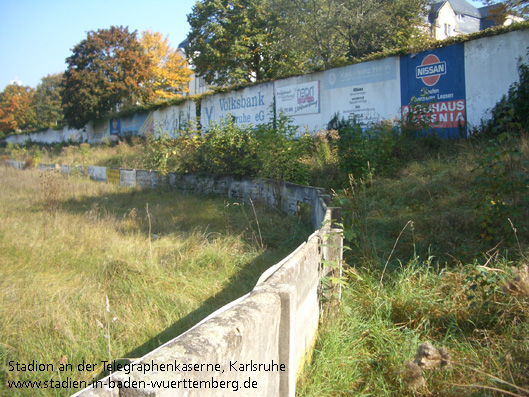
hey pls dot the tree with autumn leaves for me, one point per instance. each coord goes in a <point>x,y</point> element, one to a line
<point>109,70</point>
<point>16,111</point>
<point>113,69</point>
<point>168,71</point>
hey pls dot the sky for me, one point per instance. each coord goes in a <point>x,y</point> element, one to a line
<point>36,36</point>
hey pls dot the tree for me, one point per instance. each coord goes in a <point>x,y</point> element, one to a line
<point>47,101</point>
<point>235,41</point>
<point>107,70</point>
<point>309,27</point>
<point>16,112</point>
<point>250,40</point>
<point>335,32</point>
<point>519,8</point>
<point>168,73</point>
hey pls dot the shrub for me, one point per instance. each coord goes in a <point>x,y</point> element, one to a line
<point>159,150</point>
<point>511,113</point>
<point>364,150</point>
<point>227,149</point>
<point>281,151</point>
<point>501,190</point>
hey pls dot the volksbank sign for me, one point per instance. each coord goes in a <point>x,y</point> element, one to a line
<point>251,105</point>
<point>241,102</point>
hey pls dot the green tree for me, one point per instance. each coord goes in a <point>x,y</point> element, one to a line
<point>169,74</point>
<point>47,101</point>
<point>310,28</point>
<point>515,7</point>
<point>334,32</point>
<point>238,41</point>
<point>106,70</point>
<point>16,111</point>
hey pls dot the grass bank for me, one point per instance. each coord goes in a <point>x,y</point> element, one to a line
<point>439,255</point>
<point>93,271</point>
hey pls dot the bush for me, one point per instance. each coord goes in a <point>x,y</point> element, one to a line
<point>362,151</point>
<point>227,149</point>
<point>281,151</point>
<point>511,113</point>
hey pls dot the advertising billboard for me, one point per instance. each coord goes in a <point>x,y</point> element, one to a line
<point>433,89</point>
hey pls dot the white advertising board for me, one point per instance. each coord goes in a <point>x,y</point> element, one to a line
<point>251,105</point>
<point>298,99</point>
<point>368,92</point>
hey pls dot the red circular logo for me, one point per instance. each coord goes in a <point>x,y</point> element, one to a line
<point>432,79</point>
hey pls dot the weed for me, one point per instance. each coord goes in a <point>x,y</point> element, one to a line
<point>51,186</point>
<point>501,189</point>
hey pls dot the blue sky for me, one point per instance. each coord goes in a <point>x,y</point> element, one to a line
<point>36,36</point>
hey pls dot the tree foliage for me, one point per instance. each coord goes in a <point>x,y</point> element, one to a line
<point>16,111</point>
<point>516,7</point>
<point>105,71</point>
<point>47,101</point>
<point>238,41</point>
<point>168,73</point>
<point>249,40</point>
<point>334,32</point>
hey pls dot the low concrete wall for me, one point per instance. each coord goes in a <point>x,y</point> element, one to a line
<point>286,196</point>
<point>97,173</point>
<point>258,344</point>
<point>19,165</point>
<point>255,346</point>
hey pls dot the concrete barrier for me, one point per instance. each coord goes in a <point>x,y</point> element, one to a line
<point>73,169</point>
<point>113,176</point>
<point>19,165</point>
<point>97,173</point>
<point>45,167</point>
<point>127,178</point>
<point>254,346</point>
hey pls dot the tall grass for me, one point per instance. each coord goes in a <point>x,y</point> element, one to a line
<point>419,270</point>
<point>88,274</point>
<point>365,350</point>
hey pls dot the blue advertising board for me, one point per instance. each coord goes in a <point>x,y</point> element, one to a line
<point>115,126</point>
<point>136,124</point>
<point>436,79</point>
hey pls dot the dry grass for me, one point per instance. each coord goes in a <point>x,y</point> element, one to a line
<point>86,273</point>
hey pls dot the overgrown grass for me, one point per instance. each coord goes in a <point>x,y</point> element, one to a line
<point>380,327</point>
<point>421,270</point>
<point>93,271</point>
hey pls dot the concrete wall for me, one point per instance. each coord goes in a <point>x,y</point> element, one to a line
<point>172,119</point>
<point>491,66</point>
<point>49,136</point>
<point>477,72</point>
<point>274,325</point>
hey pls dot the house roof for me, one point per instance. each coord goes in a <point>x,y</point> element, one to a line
<point>474,19</point>
<point>184,44</point>
<point>487,17</point>
<point>465,8</point>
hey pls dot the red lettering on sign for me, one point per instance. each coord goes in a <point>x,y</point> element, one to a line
<point>450,114</point>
